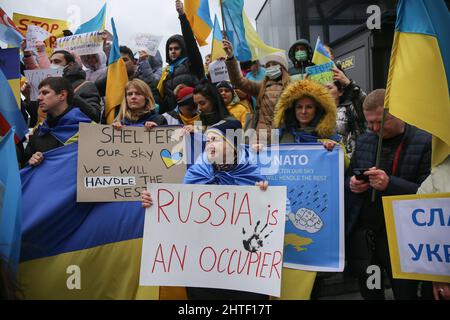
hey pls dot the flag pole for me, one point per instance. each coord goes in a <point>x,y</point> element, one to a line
<point>224,34</point>
<point>380,143</point>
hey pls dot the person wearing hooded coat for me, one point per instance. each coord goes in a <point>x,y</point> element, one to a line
<point>95,66</point>
<point>185,64</point>
<point>301,54</point>
<point>306,113</point>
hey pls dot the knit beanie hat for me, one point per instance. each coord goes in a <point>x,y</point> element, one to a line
<point>221,128</point>
<point>224,84</point>
<point>278,57</point>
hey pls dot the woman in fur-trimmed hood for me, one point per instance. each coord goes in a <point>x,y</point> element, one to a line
<point>306,113</point>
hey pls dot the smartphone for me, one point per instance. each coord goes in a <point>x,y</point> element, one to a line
<point>359,174</point>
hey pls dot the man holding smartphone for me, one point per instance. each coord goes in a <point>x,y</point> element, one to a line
<point>404,165</point>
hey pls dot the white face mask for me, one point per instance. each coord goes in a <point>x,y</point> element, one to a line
<point>56,66</point>
<point>273,72</point>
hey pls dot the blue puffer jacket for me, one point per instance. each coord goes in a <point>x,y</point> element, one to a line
<point>413,168</point>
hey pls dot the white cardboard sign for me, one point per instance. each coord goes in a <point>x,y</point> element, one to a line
<point>218,71</point>
<point>34,78</point>
<point>35,34</point>
<point>147,42</point>
<point>215,237</point>
<point>82,44</point>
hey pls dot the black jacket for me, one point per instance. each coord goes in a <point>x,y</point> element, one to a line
<point>189,73</point>
<point>46,141</point>
<point>413,168</point>
<point>86,91</point>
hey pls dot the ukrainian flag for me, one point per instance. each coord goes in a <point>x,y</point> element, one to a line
<point>97,23</point>
<point>234,27</point>
<point>320,55</point>
<point>257,47</point>
<point>197,13</point>
<point>117,78</point>
<point>76,250</point>
<point>247,44</point>
<point>217,46</point>
<point>10,115</point>
<point>418,83</point>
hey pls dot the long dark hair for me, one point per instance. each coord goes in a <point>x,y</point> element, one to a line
<point>211,93</point>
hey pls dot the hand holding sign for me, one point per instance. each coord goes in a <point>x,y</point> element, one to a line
<point>148,43</point>
<point>34,35</point>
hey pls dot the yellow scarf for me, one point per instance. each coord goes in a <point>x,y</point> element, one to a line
<point>160,87</point>
<point>189,121</point>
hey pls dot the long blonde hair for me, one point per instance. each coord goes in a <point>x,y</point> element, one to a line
<point>143,89</point>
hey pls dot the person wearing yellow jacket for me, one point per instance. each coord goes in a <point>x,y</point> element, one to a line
<point>232,102</point>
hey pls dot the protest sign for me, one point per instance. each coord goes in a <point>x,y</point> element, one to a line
<point>418,229</point>
<point>117,165</point>
<point>54,26</point>
<point>147,42</point>
<point>218,71</point>
<point>215,237</point>
<point>321,73</point>
<point>34,78</point>
<point>35,34</point>
<point>82,44</point>
<point>314,178</point>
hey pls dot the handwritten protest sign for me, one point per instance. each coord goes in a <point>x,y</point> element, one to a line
<point>34,78</point>
<point>218,71</point>
<point>147,42</point>
<point>321,73</point>
<point>82,44</point>
<point>418,229</point>
<point>116,165</point>
<point>35,34</point>
<point>215,237</point>
<point>54,26</point>
<point>315,223</point>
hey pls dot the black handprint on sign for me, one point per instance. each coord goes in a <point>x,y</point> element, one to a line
<point>255,242</point>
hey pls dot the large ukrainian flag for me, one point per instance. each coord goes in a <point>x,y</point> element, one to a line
<point>103,240</point>
<point>116,80</point>
<point>418,83</point>
<point>197,13</point>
